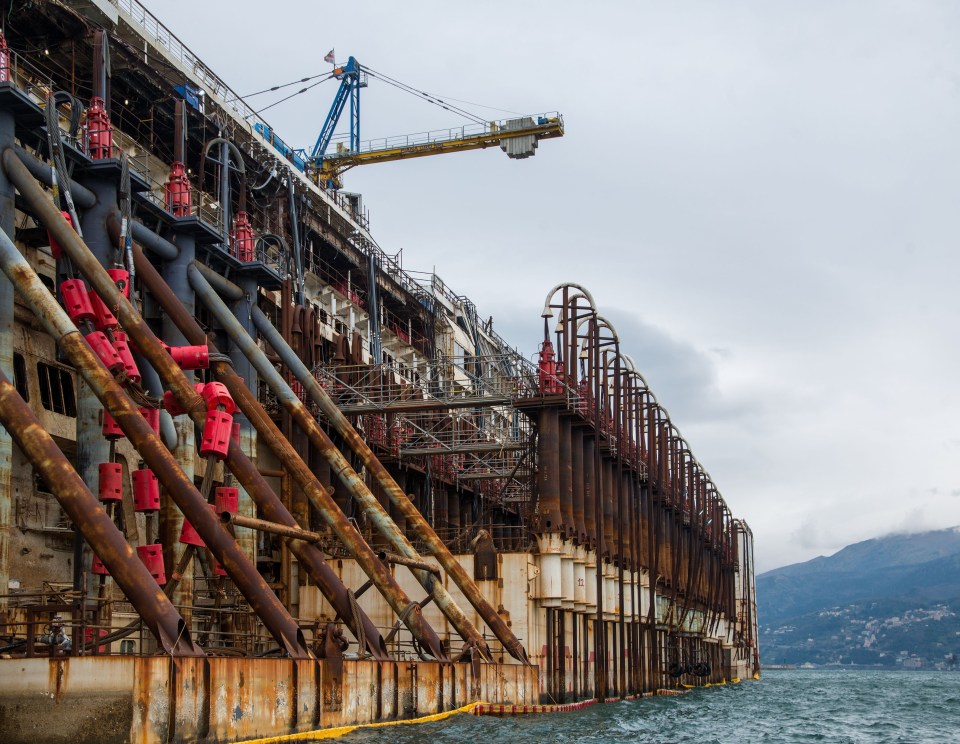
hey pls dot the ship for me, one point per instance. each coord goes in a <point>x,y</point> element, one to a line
<point>258,479</point>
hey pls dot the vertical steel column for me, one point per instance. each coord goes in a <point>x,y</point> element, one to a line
<point>92,447</point>
<point>566,479</point>
<point>185,453</point>
<point>243,309</point>
<point>7,215</point>
<point>577,478</point>
<point>548,517</point>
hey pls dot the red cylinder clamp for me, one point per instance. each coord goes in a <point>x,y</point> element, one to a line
<point>110,428</point>
<point>241,238</point>
<point>121,277</point>
<point>227,500</point>
<point>152,415</point>
<point>122,347</point>
<point>105,320</point>
<point>218,570</point>
<point>152,557</point>
<point>56,250</point>
<point>178,191</point>
<point>111,481</point>
<point>97,567</point>
<point>216,434</point>
<point>189,536</point>
<point>76,301</point>
<point>190,357</point>
<point>216,394</point>
<point>104,349</point>
<point>99,131</point>
<point>146,491</point>
<point>170,404</point>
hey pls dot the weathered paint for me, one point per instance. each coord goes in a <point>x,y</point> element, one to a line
<point>156,699</point>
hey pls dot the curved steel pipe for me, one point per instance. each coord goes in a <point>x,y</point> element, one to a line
<point>56,322</point>
<point>382,476</point>
<point>315,491</point>
<point>87,513</point>
<point>247,473</point>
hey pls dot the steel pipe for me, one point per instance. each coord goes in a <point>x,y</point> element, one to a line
<point>383,478</point>
<point>56,322</point>
<point>401,560</point>
<point>248,474</point>
<point>87,513</point>
<point>261,525</point>
<point>304,477</point>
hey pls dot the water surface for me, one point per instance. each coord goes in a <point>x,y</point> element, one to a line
<point>849,707</point>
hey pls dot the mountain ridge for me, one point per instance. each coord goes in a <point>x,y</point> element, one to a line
<point>865,597</point>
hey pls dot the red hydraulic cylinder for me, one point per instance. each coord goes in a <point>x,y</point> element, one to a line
<point>178,191</point>
<point>97,567</point>
<point>111,481</point>
<point>55,250</point>
<point>152,415</point>
<point>227,500</point>
<point>216,434</point>
<point>99,131</point>
<point>218,570</point>
<point>104,349</point>
<point>189,536</point>
<point>121,277</point>
<point>110,428</point>
<point>152,558</point>
<point>215,394</point>
<point>170,404</point>
<point>191,357</point>
<point>146,491</point>
<point>122,346</point>
<point>105,320</point>
<point>241,238</point>
<point>76,301</point>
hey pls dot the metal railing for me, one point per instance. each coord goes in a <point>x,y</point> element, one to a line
<point>438,136</point>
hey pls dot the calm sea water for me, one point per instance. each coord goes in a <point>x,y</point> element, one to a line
<point>784,707</point>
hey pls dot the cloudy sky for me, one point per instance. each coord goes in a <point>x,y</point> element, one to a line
<point>761,196</point>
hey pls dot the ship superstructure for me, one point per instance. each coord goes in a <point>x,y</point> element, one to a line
<point>257,478</point>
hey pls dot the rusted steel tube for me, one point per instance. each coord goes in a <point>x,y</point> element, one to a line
<point>397,497</point>
<point>273,528</point>
<point>87,513</point>
<point>401,560</point>
<point>56,322</point>
<point>247,473</point>
<point>304,477</point>
<point>548,517</point>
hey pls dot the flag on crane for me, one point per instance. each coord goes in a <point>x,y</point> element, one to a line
<point>330,58</point>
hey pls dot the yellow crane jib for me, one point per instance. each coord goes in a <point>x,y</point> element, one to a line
<point>518,138</point>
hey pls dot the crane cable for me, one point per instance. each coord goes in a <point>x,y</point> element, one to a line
<point>430,98</point>
<point>292,95</point>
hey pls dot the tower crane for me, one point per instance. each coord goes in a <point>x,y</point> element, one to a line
<point>517,137</point>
